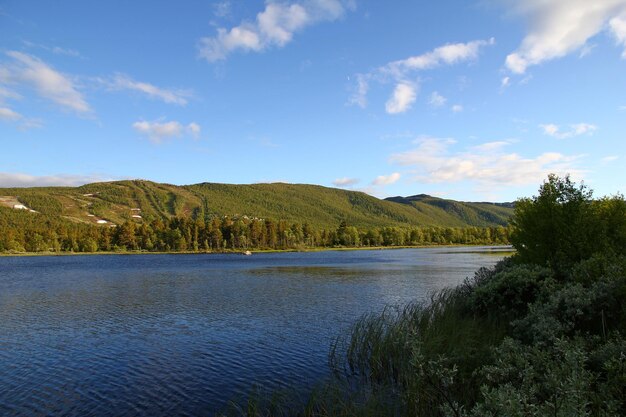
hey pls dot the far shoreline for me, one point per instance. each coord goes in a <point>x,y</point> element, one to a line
<point>502,249</point>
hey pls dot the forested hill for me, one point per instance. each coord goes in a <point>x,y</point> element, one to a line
<point>320,207</point>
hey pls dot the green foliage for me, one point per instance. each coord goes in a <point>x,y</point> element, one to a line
<point>510,291</point>
<point>563,225</point>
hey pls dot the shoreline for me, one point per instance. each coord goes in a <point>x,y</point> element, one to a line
<point>252,251</point>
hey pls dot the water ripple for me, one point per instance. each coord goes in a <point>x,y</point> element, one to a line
<point>181,335</point>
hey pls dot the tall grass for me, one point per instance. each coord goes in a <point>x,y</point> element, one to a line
<point>424,355</point>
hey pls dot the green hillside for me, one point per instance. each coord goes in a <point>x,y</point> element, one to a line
<point>321,207</point>
<point>456,213</point>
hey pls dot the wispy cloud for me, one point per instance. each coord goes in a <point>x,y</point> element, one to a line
<point>28,70</point>
<point>456,108</point>
<point>382,180</point>
<point>488,165</point>
<point>437,100</point>
<point>359,96</point>
<point>576,129</point>
<point>23,123</point>
<point>275,26</point>
<point>12,179</point>
<point>560,27</point>
<point>618,27</point>
<point>167,95</point>
<point>5,93</point>
<point>7,114</point>
<point>403,72</point>
<point>194,129</point>
<point>57,50</point>
<point>345,182</point>
<point>222,9</point>
<point>609,159</point>
<point>158,131</point>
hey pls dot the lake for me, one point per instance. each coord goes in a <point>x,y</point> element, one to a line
<point>176,335</point>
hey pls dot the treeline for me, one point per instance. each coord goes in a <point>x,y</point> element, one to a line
<point>31,232</point>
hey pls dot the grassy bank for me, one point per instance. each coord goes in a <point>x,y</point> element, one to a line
<point>539,334</point>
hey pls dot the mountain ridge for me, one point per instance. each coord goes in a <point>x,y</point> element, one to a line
<point>142,200</point>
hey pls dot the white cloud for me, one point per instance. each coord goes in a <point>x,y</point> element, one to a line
<point>487,164</point>
<point>171,96</point>
<point>622,108</point>
<point>158,131</point>
<point>618,27</point>
<point>11,179</point>
<point>437,100</point>
<point>7,114</point>
<point>609,159</point>
<point>457,108</point>
<point>345,182</point>
<point>576,129</point>
<point>506,81</point>
<point>386,179</point>
<point>47,82</point>
<point>273,27</point>
<point>402,99</point>
<point>560,27</point>
<point>403,72</point>
<point>194,129</point>
<point>449,54</point>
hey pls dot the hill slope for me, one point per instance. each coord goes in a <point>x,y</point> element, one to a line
<point>140,200</point>
<point>450,211</point>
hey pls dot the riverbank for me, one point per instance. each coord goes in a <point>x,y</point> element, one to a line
<point>500,249</point>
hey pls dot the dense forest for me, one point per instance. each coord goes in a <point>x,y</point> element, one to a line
<point>21,231</point>
<point>145,216</point>
<point>543,333</point>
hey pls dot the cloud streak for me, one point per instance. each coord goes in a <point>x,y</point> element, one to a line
<point>9,115</point>
<point>50,84</point>
<point>171,96</point>
<point>275,26</point>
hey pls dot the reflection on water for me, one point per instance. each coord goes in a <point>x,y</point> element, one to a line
<point>174,335</point>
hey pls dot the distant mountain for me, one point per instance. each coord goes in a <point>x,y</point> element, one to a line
<point>140,200</point>
<point>469,213</point>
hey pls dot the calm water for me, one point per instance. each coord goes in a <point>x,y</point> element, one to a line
<point>149,335</point>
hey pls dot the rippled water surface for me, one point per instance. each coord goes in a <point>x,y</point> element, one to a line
<point>149,335</point>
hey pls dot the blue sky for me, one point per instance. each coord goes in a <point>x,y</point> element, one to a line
<point>470,100</point>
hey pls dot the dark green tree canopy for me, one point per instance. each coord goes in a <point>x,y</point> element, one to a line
<point>564,225</point>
